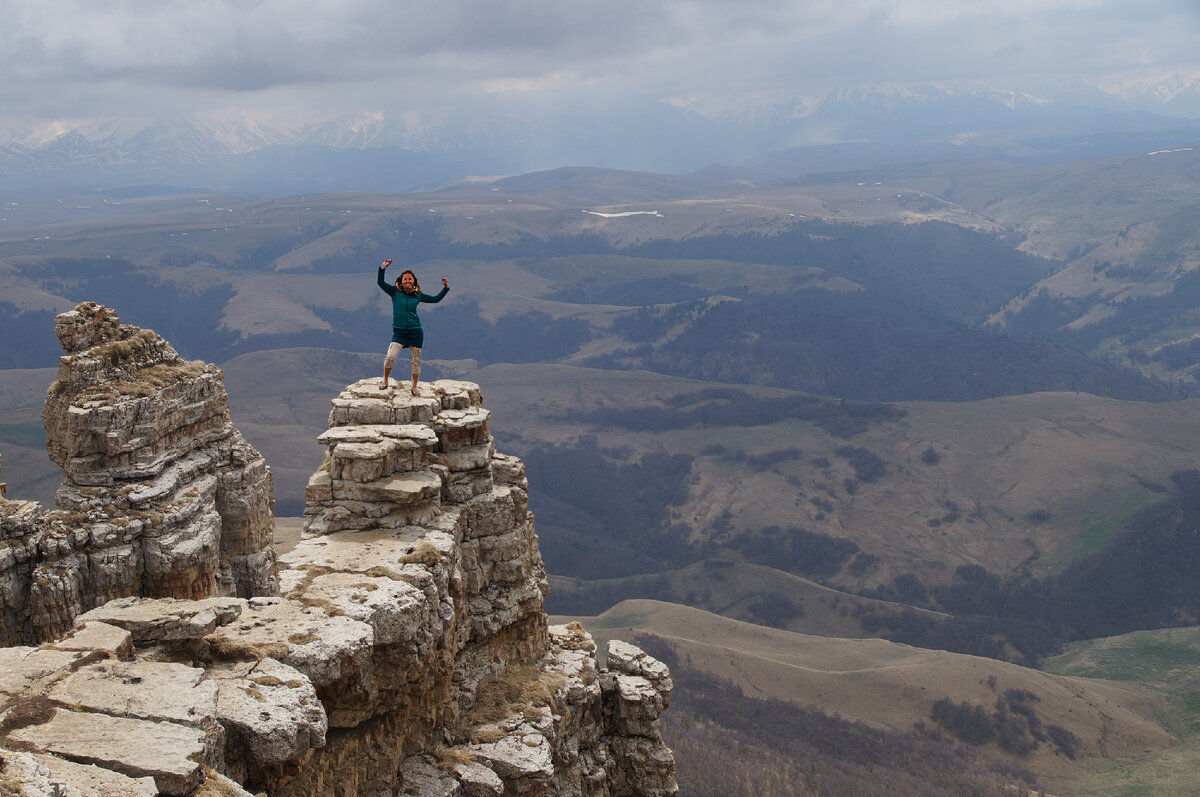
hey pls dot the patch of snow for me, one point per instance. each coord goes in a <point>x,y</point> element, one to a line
<point>625,213</point>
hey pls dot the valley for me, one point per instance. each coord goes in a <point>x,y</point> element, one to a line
<point>1122,698</point>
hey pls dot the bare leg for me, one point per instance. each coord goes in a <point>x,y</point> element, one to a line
<point>393,350</point>
<point>416,367</point>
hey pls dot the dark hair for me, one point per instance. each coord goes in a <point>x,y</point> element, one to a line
<point>416,285</point>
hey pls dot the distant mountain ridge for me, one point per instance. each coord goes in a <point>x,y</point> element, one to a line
<point>374,150</point>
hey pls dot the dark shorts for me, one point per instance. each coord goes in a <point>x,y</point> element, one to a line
<point>409,338</point>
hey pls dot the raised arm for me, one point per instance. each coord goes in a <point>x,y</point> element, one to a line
<point>425,297</point>
<point>388,289</point>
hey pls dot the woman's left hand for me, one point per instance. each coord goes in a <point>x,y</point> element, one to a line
<point>444,283</point>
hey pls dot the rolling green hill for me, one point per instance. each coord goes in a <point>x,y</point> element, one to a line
<point>1164,663</point>
<point>1094,255</point>
<point>1121,231</point>
<point>888,686</point>
<point>1013,480</point>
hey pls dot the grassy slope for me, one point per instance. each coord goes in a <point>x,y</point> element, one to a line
<point>1165,663</point>
<point>1077,458</point>
<point>730,590</point>
<point>1124,228</point>
<point>1122,206</point>
<point>895,685</point>
<point>1067,205</point>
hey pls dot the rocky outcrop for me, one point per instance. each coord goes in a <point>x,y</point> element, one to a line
<point>161,495</point>
<point>405,652</point>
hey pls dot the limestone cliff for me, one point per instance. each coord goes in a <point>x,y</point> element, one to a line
<point>161,495</point>
<point>405,651</point>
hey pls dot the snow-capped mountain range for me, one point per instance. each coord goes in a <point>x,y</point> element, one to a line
<point>379,150</point>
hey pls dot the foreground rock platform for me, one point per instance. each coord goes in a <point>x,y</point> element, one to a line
<point>400,648</point>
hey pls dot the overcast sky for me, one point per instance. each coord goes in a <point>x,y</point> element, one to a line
<point>79,58</point>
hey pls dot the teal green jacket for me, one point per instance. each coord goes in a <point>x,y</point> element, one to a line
<point>404,305</point>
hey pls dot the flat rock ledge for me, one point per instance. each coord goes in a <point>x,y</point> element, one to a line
<point>404,652</point>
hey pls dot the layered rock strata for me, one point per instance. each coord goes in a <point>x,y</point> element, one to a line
<point>417,527</point>
<point>161,495</point>
<point>406,652</point>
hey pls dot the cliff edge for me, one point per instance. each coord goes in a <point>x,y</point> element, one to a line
<point>399,649</point>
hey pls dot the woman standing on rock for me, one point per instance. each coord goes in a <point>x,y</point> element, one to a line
<point>406,326</point>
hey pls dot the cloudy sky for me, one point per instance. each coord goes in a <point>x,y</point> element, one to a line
<point>80,58</point>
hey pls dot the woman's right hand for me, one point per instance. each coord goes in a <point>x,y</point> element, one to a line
<point>386,263</point>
